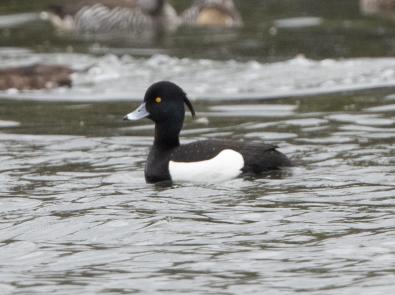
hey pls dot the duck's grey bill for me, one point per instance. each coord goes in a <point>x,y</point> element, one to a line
<point>140,113</point>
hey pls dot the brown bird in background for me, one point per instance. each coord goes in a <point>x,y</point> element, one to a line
<point>212,13</point>
<point>37,76</point>
<point>384,8</point>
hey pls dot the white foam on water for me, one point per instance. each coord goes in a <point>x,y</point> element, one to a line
<point>298,22</point>
<point>12,20</point>
<point>110,77</point>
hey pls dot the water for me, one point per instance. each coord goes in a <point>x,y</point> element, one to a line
<point>109,77</point>
<point>77,216</point>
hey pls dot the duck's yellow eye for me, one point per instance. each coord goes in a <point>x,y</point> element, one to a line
<point>158,99</point>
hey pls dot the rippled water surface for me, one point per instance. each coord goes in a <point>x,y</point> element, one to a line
<point>76,216</point>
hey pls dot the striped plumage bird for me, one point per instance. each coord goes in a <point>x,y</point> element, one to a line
<point>108,16</point>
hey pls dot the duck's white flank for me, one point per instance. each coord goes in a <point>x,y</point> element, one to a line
<point>226,165</point>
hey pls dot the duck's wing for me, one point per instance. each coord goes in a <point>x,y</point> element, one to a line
<point>114,3</point>
<point>262,157</point>
<point>190,15</point>
<point>73,7</point>
<point>197,151</point>
<point>101,19</point>
<point>257,156</point>
<point>113,16</point>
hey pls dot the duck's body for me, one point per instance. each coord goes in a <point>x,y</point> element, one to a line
<point>202,161</point>
<point>211,161</point>
<point>37,76</point>
<point>109,16</point>
<point>212,13</point>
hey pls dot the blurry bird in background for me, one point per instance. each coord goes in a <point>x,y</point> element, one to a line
<point>37,76</point>
<point>385,8</point>
<point>113,16</point>
<point>106,16</point>
<point>212,13</point>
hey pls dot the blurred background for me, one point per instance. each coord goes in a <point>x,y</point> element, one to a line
<point>308,46</point>
<point>280,49</point>
<point>316,77</point>
<point>272,31</point>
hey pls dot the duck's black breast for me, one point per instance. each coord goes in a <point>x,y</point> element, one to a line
<point>157,165</point>
<point>258,157</point>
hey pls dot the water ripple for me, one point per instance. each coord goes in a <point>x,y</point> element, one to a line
<point>77,216</point>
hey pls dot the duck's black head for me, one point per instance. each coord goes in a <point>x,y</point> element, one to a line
<point>164,104</point>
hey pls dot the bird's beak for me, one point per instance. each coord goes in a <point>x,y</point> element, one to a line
<point>140,113</point>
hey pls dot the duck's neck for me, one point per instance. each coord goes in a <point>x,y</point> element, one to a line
<point>167,136</point>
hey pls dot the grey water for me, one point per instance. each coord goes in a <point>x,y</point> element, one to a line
<point>76,215</point>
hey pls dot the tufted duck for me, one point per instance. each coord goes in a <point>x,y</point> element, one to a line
<point>202,161</point>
